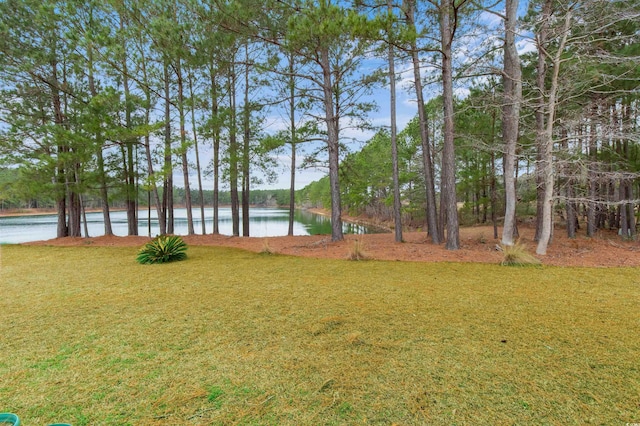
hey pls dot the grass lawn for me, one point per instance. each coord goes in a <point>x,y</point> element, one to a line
<point>90,337</point>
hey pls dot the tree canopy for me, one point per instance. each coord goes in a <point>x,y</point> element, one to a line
<point>105,102</point>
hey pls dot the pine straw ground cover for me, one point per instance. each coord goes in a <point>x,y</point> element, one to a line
<point>90,337</point>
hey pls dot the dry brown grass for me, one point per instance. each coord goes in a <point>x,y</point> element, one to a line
<point>518,255</point>
<point>231,337</point>
<point>266,247</point>
<point>358,251</point>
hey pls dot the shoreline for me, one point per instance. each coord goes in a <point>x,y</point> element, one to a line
<point>53,212</point>
<point>373,226</point>
<point>26,212</point>
<point>319,211</point>
<point>352,219</point>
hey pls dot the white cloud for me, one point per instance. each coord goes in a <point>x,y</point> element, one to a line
<point>491,20</point>
<point>525,46</point>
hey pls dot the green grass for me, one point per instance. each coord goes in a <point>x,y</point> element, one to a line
<point>230,337</point>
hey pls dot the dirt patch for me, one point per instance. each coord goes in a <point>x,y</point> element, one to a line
<point>477,245</point>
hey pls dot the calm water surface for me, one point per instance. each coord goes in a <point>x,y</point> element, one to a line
<point>264,222</point>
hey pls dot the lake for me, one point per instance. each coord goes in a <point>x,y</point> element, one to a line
<point>264,222</point>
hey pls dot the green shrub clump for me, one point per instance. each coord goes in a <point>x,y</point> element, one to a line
<point>163,249</point>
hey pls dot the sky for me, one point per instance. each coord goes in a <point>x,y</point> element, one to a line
<point>406,110</point>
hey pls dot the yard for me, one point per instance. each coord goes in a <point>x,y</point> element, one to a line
<point>235,337</point>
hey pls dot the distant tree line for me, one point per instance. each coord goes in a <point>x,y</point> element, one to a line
<point>553,133</point>
<point>13,198</point>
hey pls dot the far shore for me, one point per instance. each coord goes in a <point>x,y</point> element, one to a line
<point>40,212</point>
<point>44,212</point>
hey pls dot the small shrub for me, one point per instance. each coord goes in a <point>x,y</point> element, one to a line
<point>266,248</point>
<point>517,255</point>
<point>163,249</point>
<point>357,252</point>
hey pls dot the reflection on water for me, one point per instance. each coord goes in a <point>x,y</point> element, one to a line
<point>264,222</point>
<point>317,224</point>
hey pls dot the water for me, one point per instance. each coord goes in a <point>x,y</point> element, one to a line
<point>264,222</point>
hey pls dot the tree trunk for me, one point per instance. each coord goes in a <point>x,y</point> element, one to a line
<point>197,151</point>
<point>167,193</point>
<point>541,75</point>
<point>72,172</point>
<point>569,192</point>
<point>102,178</point>
<point>216,150</point>
<point>448,152</point>
<point>333,145</point>
<point>60,178</point>
<point>233,155</point>
<point>494,196</point>
<point>512,80</point>
<point>61,211</point>
<point>631,211</point>
<point>128,164</point>
<point>74,210</point>
<point>484,194</point>
<point>245,149</point>
<point>592,175</point>
<point>397,206</point>
<point>624,230</point>
<point>84,218</point>
<point>162,223</point>
<point>293,136</point>
<point>547,154</point>
<point>627,127</point>
<point>430,192</point>
<point>184,149</point>
<point>102,181</point>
